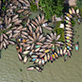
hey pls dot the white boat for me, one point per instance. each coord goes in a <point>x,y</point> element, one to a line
<point>20,57</point>
<point>25,52</point>
<point>30,68</point>
<point>25,59</point>
<point>77,11</point>
<point>67,18</point>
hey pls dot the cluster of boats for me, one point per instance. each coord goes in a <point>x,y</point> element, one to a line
<point>31,43</point>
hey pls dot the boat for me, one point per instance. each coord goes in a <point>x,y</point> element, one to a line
<point>70,16</point>
<point>53,56</point>
<point>68,22</point>
<point>77,46</point>
<point>68,53</point>
<point>42,55</point>
<point>51,59</point>
<point>73,11</point>
<point>70,11</point>
<point>31,68</point>
<point>67,25</point>
<point>39,63</point>
<point>37,21</point>
<point>25,59</point>
<point>67,18</point>
<point>38,68</point>
<point>48,57</point>
<point>25,52</point>
<point>77,11</point>
<point>45,58</point>
<point>20,57</point>
<point>65,49</point>
<point>49,37</point>
<point>42,39</point>
<point>56,55</point>
<point>43,62</point>
<point>65,57</point>
<point>33,25</point>
<point>61,52</point>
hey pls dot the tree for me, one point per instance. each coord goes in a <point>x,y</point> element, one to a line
<point>79,4</point>
<point>51,7</point>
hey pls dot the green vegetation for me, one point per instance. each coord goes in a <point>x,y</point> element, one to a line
<point>33,7</point>
<point>60,31</point>
<point>79,4</point>
<point>72,22</point>
<point>51,7</point>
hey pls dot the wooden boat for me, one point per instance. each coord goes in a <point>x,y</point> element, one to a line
<point>17,22</point>
<point>49,37</point>
<point>65,57</point>
<point>70,16</point>
<point>58,37</point>
<point>53,56</point>
<point>32,46</point>
<point>36,50</point>
<point>73,11</point>
<point>20,11</point>
<point>70,32</point>
<point>38,43</point>
<point>53,47</point>
<point>70,11</point>
<point>37,21</point>
<point>9,26</point>
<point>30,28</point>
<point>5,36</point>
<point>9,21</point>
<point>56,55</point>
<point>42,50</point>
<point>15,17</point>
<point>4,45</point>
<point>68,29</point>
<point>51,59</point>
<point>67,25</point>
<point>25,12</point>
<point>45,58</point>
<point>68,53</point>
<point>67,18</point>
<point>48,28</point>
<point>38,34</point>
<point>25,52</point>
<point>58,52</point>
<point>11,42</point>
<point>30,38</point>
<point>77,11</point>
<point>31,68</point>
<point>1,38</point>
<point>20,57</point>
<point>65,49</point>
<point>77,46</point>
<point>38,68</point>
<point>25,59</point>
<point>34,23</point>
<point>68,22</point>
<point>42,39</point>
<point>39,63</point>
<point>6,41</point>
<point>48,57</point>
<point>37,29</point>
<point>42,55</point>
<point>61,52</point>
<point>1,46</point>
<point>43,62</point>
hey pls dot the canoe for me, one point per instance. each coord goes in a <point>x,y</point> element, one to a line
<point>67,25</point>
<point>48,57</point>
<point>37,29</point>
<point>15,17</point>
<point>67,18</point>
<point>67,21</point>
<point>49,37</point>
<point>33,25</point>
<point>37,60</point>
<point>30,28</point>
<point>25,59</point>
<point>73,11</point>
<point>70,16</point>
<point>38,43</point>
<point>65,57</point>
<point>32,46</point>
<point>53,56</point>
<point>20,57</point>
<point>42,39</point>
<point>61,52</point>
<point>25,52</point>
<point>31,52</point>
<point>69,29</point>
<point>11,42</point>
<point>51,59</point>
<point>56,55</point>
<point>77,11</point>
<point>37,21</point>
<point>70,11</point>
<point>39,63</point>
<point>38,68</point>
<point>36,50</point>
<point>19,11</point>
<point>42,55</point>
<point>31,68</point>
<point>45,58</point>
<point>70,32</point>
<point>76,46</point>
<point>68,53</point>
<point>48,28</point>
<point>53,47</point>
<point>43,62</point>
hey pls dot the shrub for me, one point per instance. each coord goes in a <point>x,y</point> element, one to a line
<point>72,22</point>
<point>33,7</point>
